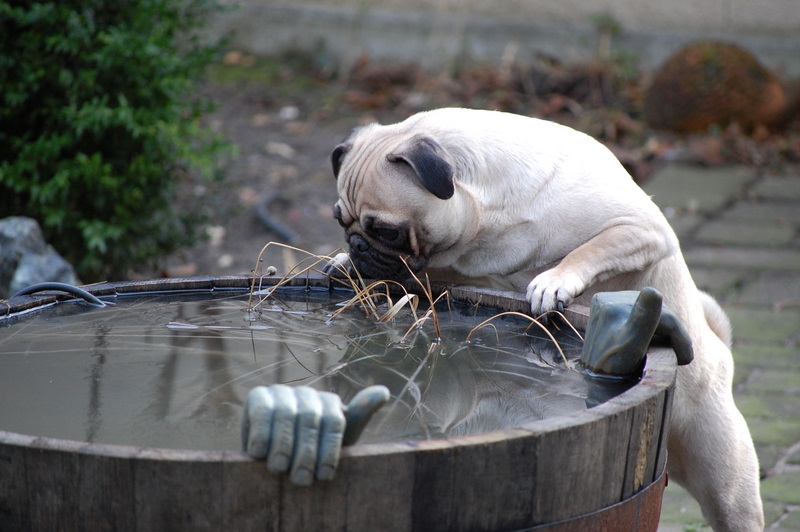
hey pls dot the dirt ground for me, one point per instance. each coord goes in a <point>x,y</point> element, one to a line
<point>281,167</point>
<point>284,117</point>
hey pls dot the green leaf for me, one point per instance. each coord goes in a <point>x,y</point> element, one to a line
<point>97,126</point>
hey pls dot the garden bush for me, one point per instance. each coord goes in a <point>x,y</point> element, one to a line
<point>98,126</point>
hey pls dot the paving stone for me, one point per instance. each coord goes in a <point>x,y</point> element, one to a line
<point>764,326</point>
<point>744,232</point>
<point>775,513</point>
<point>741,238</point>
<point>786,212</point>
<point>780,188</point>
<point>773,431</point>
<point>720,283</point>
<point>744,257</point>
<point>682,223</point>
<point>790,521</point>
<point>692,189</point>
<point>755,405</point>
<point>780,289</point>
<point>742,374</point>
<point>784,487</point>
<point>692,527</point>
<point>794,458</point>
<point>762,355</point>
<point>680,510</point>
<point>768,456</point>
<point>779,385</point>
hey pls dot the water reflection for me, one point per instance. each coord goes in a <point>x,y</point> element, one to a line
<point>100,345</point>
<point>215,375</point>
<point>499,379</point>
<point>173,370</point>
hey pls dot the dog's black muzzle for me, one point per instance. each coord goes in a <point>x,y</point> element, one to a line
<point>373,263</point>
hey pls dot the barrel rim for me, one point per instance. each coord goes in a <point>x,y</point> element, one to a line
<point>659,372</point>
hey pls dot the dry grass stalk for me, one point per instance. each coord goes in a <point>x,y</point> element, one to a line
<point>367,297</point>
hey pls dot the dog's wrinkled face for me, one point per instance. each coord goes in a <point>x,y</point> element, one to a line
<point>387,182</point>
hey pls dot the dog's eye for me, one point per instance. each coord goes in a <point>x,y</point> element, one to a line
<point>388,234</point>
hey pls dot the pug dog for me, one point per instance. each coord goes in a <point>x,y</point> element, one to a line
<point>525,204</point>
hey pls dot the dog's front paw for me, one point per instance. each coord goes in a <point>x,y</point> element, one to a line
<point>338,266</point>
<point>551,290</point>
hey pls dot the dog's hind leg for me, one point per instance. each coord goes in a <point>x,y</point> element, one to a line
<point>710,449</point>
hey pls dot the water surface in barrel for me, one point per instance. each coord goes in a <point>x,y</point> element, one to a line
<point>172,369</point>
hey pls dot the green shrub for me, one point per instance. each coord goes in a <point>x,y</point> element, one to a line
<point>98,126</point>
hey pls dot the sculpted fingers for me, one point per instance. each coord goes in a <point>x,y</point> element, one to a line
<point>331,436</point>
<point>643,319</point>
<point>621,327</point>
<point>301,431</point>
<point>671,328</point>
<point>361,408</point>
<point>307,436</point>
<point>282,435</point>
<point>281,426</point>
<point>257,422</point>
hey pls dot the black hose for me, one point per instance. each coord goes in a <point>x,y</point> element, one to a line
<point>262,211</point>
<point>62,287</point>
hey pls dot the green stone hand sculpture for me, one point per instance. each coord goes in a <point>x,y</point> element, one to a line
<point>301,430</point>
<point>622,326</point>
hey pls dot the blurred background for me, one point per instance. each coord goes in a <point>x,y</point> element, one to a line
<point>441,34</point>
<point>178,137</point>
<point>309,71</point>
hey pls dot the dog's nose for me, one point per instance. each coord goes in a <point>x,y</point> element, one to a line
<point>358,244</point>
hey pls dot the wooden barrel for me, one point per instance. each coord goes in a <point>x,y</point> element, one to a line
<point>600,469</point>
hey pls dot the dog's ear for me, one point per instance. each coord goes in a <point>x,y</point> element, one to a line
<point>338,156</point>
<point>423,155</point>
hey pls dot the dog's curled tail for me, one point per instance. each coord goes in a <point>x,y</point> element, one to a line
<point>716,318</point>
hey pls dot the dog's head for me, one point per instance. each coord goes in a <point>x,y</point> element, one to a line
<point>393,185</point>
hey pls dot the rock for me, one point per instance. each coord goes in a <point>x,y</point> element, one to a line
<point>36,268</point>
<point>280,149</point>
<point>26,259</point>
<point>18,236</point>
<point>715,84</point>
<point>289,113</point>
